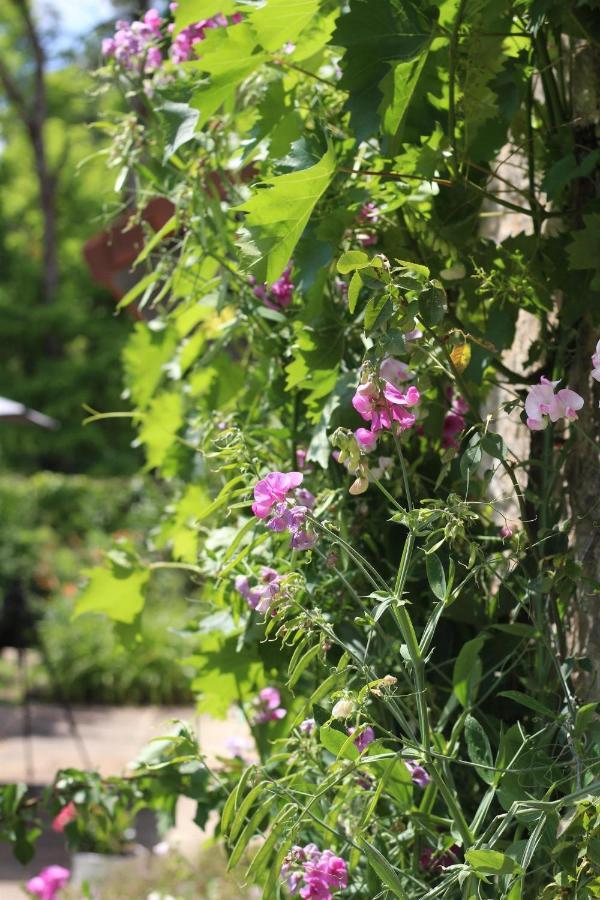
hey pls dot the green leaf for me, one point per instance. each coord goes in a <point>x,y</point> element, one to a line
<point>378,310</point>
<point>353,291</point>
<point>302,664</point>
<point>491,862</point>
<point>144,357</point>
<point>584,249</point>
<point>277,828</point>
<point>160,425</point>
<point>117,592</point>
<point>137,290</point>
<point>244,808</point>
<point>277,214</point>
<point>493,445</point>
<point>375,35</point>
<point>351,260</point>
<point>190,11</point>
<point>432,305</point>
<point>279,21</point>
<point>231,803</point>
<point>471,458</point>
<point>224,671</point>
<point>169,226</point>
<point>398,88</point>
<point>181,121</point>
<point>585,716</point>
<point>229,55</point>
<point>337,743</point>
<point>529,702</point>
<point>467,671</point>
<point>478,747</point>
<point>248,833</point>
<point>435,575</point>
<point>389,875</point>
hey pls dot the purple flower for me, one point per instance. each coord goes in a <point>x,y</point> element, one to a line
<point>261,598</point>
<point>419,775</point>
<point>108,47</point>
<point>267,708</point>
<point>307,726</point>
<point>278,295</point>
<point>273,489</point>
<point>49,882</point>
<point>321,871</point>
<point>437,862</point>
<point>366,737</point>
<point>306,498</point>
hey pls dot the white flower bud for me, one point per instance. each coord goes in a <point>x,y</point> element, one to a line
<point>343,709</point>
<point>389,680</point>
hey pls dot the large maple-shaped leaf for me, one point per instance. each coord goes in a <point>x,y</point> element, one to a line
<point>278,212</point>
<point>117,592</point>
<point>378,34</point>
<point>229,56</point>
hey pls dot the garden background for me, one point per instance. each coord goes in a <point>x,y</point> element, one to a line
<point>299,434</point>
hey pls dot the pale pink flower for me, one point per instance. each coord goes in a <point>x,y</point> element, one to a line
<point>543,403</point>
<point>369,212</point>
<point>273,489</point>
<point>506,531</point>
<point>395,371</point>
<point>596,363</point>
<point>267,708</point>
<point>49,882</point>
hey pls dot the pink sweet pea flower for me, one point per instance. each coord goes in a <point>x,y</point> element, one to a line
<point>543,404</point>
<point>596,363</point>
<point>66,815</point>
<point>49,882</point>
<point>367,440</point>
<point>366,737</point>
<point>321,877</point>
<point>381,408</point>
<point>267,706</point>
<point>273,489</point>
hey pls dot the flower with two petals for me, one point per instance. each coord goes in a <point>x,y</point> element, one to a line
<point>544,403</point>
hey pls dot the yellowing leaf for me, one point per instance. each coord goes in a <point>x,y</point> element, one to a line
<point>461,356</point>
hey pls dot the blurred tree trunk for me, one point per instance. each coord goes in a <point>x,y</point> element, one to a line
<point>32,109</point>
<point>583,464</point>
